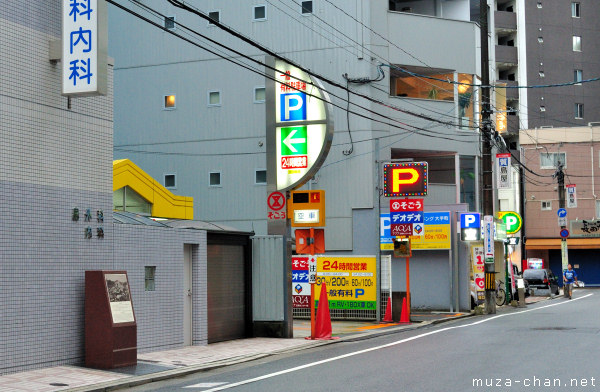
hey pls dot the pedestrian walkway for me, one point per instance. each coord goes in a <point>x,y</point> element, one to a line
<point>174,363</point>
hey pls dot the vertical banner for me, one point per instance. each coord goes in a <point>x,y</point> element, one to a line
<point>300,285</point>
<point>503,171</point>
<point>84,48</point>
<point>488,238</point>
<point>478,271</point>
<point>571,196</point>
<point>501,120</point>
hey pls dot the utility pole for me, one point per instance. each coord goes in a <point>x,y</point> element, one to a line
<point>560,177</point>
<point>486,149</point>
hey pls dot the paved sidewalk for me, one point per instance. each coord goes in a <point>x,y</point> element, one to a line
<point>174,363</point>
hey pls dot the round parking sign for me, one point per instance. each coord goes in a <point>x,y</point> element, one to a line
<point>512,220</point>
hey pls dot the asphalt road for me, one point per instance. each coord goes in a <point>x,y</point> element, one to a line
<point>551,345</point>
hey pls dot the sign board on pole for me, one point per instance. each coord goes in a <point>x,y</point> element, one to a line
<point>405,179</point>
<point>512,220</point>
<point>478,271</point>
<point>571,196</point>
<point>470,226</point>
<point>406,217</point>
<point>300,282</point>
<point>437,232</point>
<point>503,171</point>
<point>84,48</point>
<point>488,238</point>
<point>276,206</point>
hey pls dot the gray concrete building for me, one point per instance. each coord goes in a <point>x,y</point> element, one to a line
<point>192,113</point>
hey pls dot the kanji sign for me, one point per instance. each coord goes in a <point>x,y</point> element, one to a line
<point>84,47</point>
<point>405,179</point>
<point>503,170</point>
<point>276,203</point>
<point>406,217</point>
<point>571,196</point>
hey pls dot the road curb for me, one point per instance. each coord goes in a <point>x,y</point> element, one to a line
<point>135,381</point>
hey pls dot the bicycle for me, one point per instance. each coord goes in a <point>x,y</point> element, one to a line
<point>500,293</point>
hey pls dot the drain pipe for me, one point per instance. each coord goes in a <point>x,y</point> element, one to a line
<point>592,153</point>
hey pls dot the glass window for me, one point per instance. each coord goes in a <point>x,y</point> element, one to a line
<point>465,101</point>
<point>575,10</point>
<point>578,76</point>
<point>542,108</point>
<point>169,102</point>
<point>260,176</point>
<point>467,182</point>
<point>539,4</point>
<point>259,94</point>
<point>440,169</point>
<point>260,12</point>
<point>540,39</point>
<point>579,110</point>
<point>576,43</point>
<point>542,74</point>
<point>149,274</point>
<point>546,205</point>
<point>214,179</point>
<point>170,22</point>
<point>214,98</point>
<point>214,16</point>
<point>126,199</point>
<point>410,82</point>
<point>307,7</point>
<point>550,160</point>
<point>169,180</point>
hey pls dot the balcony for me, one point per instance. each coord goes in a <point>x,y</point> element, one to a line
<point>512,94</point>
<point>506,55</point>
<point>505,21</point>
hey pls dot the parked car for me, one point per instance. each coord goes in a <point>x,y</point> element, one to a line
<point>541,279</point>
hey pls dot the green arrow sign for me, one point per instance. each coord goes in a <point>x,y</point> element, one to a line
<point>512,220</point>
<point>293,141</point>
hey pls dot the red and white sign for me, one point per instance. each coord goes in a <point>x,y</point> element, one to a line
<point>276,204</point>
<point>479,270</point>
<point>402,205</point>
<point>294,162</point>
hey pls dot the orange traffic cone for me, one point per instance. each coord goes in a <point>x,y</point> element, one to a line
<point>323,322</point>
<point>404,317</point>
<point>388,312</point>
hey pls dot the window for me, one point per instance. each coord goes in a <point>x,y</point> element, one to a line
<point>214,179</point>
<point>307,7</point>
<point>578,76</point>
<point>260,176</point>
<point>126,199</point>
<point>214,16</point>
<point>259,94</point>
<point>575,10</point>
<point>539,4</point>
<point>541,40</point>
<point>170,181</point>
<point>550,160</point>
<point>576,43</point>
<point>260,12</point>
<point>170,22</point>
<point>468,178</point>
<point>546,205</point>
<point>542,74</point>
<point>214,98</point>
<point>578,110</point>
<point>542,108</point>
<point>404,84</point>
<point>169,102</point>
<point>149,274</point>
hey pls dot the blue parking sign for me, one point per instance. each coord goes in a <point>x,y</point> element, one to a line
<point>293,106</point>
<point>472,220</point>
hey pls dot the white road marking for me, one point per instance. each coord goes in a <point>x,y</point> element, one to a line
<point>206,385</point>
<point>271,375</point>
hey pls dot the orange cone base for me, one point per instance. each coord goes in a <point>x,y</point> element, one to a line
<point>404,316</point>
<point>323,321</point>
<point>388,313</point>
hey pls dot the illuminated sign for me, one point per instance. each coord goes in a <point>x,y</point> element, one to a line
<point>299,128</point>
<point>512,220</point>
<point>437,233</point>
<point>307,208</point>
<point>84,48</point>
<point>405,179</point>
<point>470,226</point>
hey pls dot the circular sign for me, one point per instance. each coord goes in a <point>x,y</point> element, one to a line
<point>512,220</point>
<point>276,201</point>
<point>561,212</point>
<point>564,233</point>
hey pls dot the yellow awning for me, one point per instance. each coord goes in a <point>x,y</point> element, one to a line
<point>554,243</point>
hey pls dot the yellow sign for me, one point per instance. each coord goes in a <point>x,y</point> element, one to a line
<point>351,281</point>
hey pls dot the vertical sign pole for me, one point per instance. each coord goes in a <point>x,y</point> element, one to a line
<point>408,287</point>
<point>312,310</point>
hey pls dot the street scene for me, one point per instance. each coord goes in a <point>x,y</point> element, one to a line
<point>309,195</point>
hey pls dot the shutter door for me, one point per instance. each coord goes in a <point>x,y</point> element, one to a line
<point>226,293</point>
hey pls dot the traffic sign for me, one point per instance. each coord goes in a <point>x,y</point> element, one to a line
<point>561,212</point>
<point>512,220</point>
<point>470,220</point>
<point>564,233</point>
<point>562,221</point>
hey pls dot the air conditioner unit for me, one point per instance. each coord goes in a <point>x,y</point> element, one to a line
<point>546,126</point>
<point>594,124</point>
